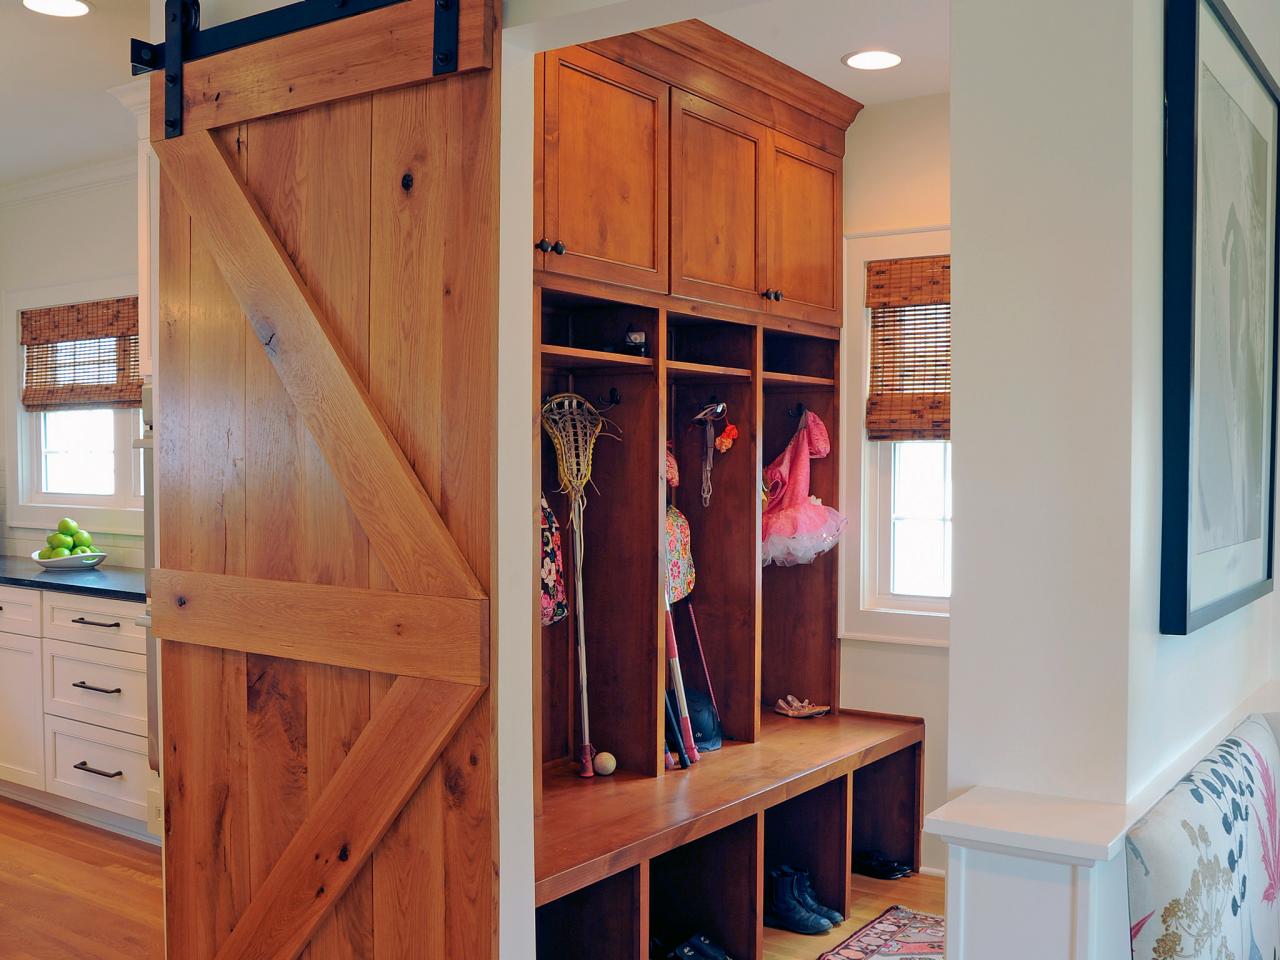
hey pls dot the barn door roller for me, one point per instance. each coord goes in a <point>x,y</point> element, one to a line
<point>185,41</point>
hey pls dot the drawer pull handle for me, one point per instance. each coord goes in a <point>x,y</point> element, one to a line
<point>96,623</point>
<point>89,686</point>
<point>84,765</point>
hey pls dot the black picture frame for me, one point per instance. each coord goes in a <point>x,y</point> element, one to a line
<point>1179,613</point>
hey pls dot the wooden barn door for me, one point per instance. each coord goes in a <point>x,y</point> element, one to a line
<point>326,364</point>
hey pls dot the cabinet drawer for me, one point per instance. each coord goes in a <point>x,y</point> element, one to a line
<point>95,621</point>
<point>20,611</point>
<point>74,751</point>
<point>96,685</point>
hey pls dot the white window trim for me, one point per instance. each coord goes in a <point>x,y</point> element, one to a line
<point>22,509</point>
<point>877,540</point>
<point>867,612</point>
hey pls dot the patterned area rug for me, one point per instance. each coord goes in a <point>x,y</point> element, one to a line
<point>898,932</point>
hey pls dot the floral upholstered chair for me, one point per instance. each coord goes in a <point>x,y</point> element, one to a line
<point>1204,864</point>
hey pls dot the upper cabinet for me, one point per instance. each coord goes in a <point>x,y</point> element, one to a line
<point>604,171</point>
<point>805,209</point>
<point>681,161</point>
<point>718,164</point>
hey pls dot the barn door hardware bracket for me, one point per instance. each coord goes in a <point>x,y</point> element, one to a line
<point>184,41</point>
<point>445,38</point>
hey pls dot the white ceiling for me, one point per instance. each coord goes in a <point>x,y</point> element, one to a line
<point>813,36</point>
<point>55,111</point>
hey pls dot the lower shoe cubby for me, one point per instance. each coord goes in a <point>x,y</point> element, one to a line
<point>606,919</point>
<point>887,807</point>
<point>812,832</point>
<point>710,886</point>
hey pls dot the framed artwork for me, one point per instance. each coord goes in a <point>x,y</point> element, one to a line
<point>1220,284</point>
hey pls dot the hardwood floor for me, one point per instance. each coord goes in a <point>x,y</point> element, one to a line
<point>73,892</point>
<point>870,899</point>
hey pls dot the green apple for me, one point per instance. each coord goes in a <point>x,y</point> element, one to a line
<point>82,538</point>
<point>58,553</point>
<point>46,553</point>
<point>77,551</point>
<point>61,540</point>
<point>68,526</point>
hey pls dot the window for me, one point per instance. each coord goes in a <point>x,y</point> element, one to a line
<point>83,458</point>
<point>80,392</point>
<point>907,511</point>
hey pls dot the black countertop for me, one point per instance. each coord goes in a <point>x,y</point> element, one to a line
<point>104,580</point>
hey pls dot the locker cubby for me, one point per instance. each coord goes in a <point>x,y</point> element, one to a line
<point>724,535</point>
<point>887,806</point>
<point>710,886</point>
<point>621,527</point>
<point>588,323</point>
<point>799,649</point>
<point>799,355</point>
<point>606,919</point>
<point>811,832</point>
<point>710,342</point>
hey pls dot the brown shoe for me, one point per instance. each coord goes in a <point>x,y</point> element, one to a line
<point>800,709</point>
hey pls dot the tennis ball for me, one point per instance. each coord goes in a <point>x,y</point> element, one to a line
<point>605,764</point>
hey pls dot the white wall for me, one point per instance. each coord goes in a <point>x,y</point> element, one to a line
<point>1060,682</point>
<point>897,203</point>
<point>897,166</point>
<point>1041,293</point>
<point>63,230</point>
<point>1178,686</point>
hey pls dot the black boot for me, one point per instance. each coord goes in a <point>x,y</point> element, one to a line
<point>804,893</point>
<point>786,912</point>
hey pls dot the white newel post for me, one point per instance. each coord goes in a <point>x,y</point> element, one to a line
<point>1029,875</point>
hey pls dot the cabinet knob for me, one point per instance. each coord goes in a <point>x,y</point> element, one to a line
<point>544,245</point>
<point>558,248</point>
<point>766,294</point>
<point>777,295</point>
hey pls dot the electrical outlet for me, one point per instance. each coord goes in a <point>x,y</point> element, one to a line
<point>155,812</point>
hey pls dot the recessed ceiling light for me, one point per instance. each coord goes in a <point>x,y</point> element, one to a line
<point>58,8</point>
<point>872,60</point>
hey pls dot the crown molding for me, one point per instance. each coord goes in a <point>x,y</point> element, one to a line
<point>135,96</point>
<point>124,170</point>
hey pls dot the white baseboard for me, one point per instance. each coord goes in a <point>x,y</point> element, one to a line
<point>932,872</point>
<point>80,812</point>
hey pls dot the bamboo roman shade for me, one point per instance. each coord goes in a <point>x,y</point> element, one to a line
<point>909,393</point>
<point>82,355</point>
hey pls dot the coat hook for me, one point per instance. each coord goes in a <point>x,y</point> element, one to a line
<point>612,400</point>
<point>797,411</point>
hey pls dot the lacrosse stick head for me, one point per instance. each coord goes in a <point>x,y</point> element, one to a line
<point>573,425</point>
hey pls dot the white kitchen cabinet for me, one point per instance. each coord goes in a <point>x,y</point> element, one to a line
<point>21,711</point>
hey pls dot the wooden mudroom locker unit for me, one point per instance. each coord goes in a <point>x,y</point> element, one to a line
<point>689,188</point>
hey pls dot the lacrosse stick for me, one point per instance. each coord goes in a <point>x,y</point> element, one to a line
<point>573,425</point>
<point>708,416</point>
<point>677,683</point>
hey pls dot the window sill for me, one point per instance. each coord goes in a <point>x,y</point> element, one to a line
<point>114,520</point>
<point>937,642</point>
<point>908,612</point>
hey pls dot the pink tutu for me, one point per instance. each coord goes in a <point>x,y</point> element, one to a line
<point>798,527</point>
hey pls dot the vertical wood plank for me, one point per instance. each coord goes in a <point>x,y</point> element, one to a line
<point>310,174</point>
<point>432,359</point>
<point>202,526</point>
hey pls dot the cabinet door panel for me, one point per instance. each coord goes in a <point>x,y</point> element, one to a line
<point>805,230</point>
<point>21,711</point>
<point>605,170</point>
<point>717,203</point>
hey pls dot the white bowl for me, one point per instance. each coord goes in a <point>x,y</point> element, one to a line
<point>83,561</point>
